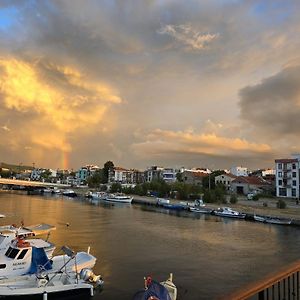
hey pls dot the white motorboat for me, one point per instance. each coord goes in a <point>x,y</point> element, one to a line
<point>165,290</point>
<point>228,212</point>
<point>119,198</point>
<point>10,232</point>
<point>52,283</point>
<point>51,279</point>
<point>22,258</point>
<point>2,216</point>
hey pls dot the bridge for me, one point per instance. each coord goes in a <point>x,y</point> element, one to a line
<point>31,184</point>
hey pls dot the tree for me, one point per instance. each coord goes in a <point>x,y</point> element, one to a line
<point>116,187</point>
<point>209,181</point>
<point>179,177</point>
<point>96,179</point>
<point>107,166</point>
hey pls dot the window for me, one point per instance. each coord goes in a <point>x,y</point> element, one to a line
<point>2,266</point>
<point>293,192</point>
<point>294,166</point>
<point>11,252</point>
<point>294,174</point>
<point>280,166</point>
<point>22,254</point>
<point>282,192</point>
<point>294,182</point>
<point>279,182</point>
<point>279,174</point>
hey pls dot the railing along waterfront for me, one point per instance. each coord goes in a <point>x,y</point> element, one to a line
<point>282,285</point>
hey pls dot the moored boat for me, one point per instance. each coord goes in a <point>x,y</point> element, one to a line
<point>228,212</point>
<point>2,216</point>
<point>202,210</point>
<point>99,195</point>
<point>165,290</point>
<point>69,193</point>
<point>119,198</point>
<point>278,221</point>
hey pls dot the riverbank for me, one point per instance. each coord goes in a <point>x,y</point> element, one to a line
<point>264,206</point>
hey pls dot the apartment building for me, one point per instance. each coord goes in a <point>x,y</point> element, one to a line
<point>287,177</point>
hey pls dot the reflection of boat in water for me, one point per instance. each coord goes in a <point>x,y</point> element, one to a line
<point>118,198</point>
<point>229,213</point>
<point>165,290</point>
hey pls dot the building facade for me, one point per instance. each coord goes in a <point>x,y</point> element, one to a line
<point>287,177</point>
<point>225,179</point>
<point>239,171</point>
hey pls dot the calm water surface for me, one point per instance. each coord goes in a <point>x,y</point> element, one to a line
<point>209,256</point>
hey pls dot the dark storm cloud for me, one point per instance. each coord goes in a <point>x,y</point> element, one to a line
<point>273,106</point>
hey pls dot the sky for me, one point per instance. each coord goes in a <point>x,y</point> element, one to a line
<point>197,83</point>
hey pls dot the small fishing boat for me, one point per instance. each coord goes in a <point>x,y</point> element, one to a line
<point>2,216</point>
<point>259,218</point>
<point>202,210</point>
<point>165,290</point>
<point>229,213</point>
<point>173,206</point>
<point>119,198</point>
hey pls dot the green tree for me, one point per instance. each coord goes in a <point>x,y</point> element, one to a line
<point>179,177</point>
<point>116,188</point>
<point>96,179</point>
<point>233,199</point>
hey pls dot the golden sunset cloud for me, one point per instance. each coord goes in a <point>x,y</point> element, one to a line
<point>52,110</point>
<point>164,142</point>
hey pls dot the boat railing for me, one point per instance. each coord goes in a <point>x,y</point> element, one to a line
<point>284,284</point>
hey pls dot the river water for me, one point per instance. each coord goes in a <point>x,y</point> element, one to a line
<point>209,256</point>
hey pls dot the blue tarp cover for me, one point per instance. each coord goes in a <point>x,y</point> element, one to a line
<point>155,289</point>
<point>39,261</point>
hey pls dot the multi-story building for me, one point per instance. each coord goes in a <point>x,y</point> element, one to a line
<point>85,172</point>
<point>153,173</point>
<point>169,174</point>
<point>125,176</point>
<point>287,177</point>
<point>239,171</point>
<point>194,176</point>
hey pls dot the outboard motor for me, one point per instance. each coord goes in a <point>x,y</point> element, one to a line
<point>88,275</point>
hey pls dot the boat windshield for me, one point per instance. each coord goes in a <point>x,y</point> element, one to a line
<point>12,252</point>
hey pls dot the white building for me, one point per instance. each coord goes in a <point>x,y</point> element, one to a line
<point>287,177</point>
<point>169,174</point>
<point>239,171</point>
<point>225,179</point>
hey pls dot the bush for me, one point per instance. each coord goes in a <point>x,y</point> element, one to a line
<point>233,199</point>
<point>265,204</point>
<point>281,204</point>
<point>256,197</point>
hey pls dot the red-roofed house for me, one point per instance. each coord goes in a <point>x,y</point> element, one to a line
<point>245,185</point>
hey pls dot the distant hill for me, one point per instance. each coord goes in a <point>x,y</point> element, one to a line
<point>16,168</point>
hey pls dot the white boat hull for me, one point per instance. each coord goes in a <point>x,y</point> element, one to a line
<point>119,199</point>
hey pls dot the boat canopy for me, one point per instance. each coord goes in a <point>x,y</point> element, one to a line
<point>39,261</point>
<point>40,229</point>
